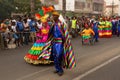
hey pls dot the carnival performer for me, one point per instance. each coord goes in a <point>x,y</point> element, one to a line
<point>118,28</point>
<point>61,47</point>
<point>108,28</point>
<point>95,29</point>
<point>37,49</point>
<point>73,26</point>
<point>87,32</point>
<point>101,25</point>
<point>114,26</point>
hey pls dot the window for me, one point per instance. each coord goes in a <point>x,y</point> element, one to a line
<point>79,5</point>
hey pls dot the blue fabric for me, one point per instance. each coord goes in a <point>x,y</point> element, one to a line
<point>20,26</point>
<point>57,48</point>
<point>32,26</point>
<point>95,29</point>
<point>118,26</point>
<point>58,54</point>
<point>114,25</point>
<point>56,31</point>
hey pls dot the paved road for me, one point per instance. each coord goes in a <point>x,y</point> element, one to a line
<point>13,66</point>
<point>108,72</point>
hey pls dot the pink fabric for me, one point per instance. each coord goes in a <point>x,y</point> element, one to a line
<point>44,36</point>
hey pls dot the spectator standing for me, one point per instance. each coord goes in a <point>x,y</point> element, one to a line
<point>33,28</point>
<point>20,29</point>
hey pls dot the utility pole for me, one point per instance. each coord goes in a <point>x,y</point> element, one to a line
<point>32,5</point>
<point>64,7</point>
<point>112,7</point>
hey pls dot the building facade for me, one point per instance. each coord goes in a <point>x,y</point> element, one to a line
<point>98,7</point>
<point>87,7</point>
<point>112,8</point>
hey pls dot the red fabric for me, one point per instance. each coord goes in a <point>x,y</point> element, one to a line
<point>47,9</point>
<point>37,16</point>
<point>35,57</point>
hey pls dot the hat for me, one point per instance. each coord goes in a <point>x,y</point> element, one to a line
<point>56,13</point>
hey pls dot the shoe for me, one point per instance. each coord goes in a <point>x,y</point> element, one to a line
<point>55,71</point>
<point>96,41</point>
<point>60,73</point>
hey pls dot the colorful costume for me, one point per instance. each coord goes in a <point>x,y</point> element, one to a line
<point>34,55</point>
<point>86,33</point>
<point>105,29</point>
<point>114,27</point>
<point>118,28</point>
<point>61,48</point>
<point>95,29</point>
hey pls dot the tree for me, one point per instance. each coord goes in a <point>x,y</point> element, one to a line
<point>6,8</point>
<point>32,5</point>
<point>17,6</point>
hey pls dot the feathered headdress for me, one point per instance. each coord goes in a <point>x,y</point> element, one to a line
<point>43,13</point>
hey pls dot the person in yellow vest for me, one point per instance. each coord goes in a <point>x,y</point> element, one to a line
<point>73,26</point>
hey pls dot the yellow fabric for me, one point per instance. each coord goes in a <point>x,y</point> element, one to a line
<point>44,18</point>
<point>35,62</point>
<point>101,26</point>
<point>88,32</point>
<point>36,48</point>
<point>74,23</point>
<point>44,31</point>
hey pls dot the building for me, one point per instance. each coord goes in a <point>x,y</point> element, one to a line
<point>98,7</point>
<point>58,4</point>
<point>112,8</point>
<point>84,7</point>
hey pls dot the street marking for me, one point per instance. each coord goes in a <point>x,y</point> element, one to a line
<point>29,75</point>
<point>96,68</point>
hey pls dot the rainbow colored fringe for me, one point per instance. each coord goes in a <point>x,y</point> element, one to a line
<point>69,56</point>
<point>46,52</point>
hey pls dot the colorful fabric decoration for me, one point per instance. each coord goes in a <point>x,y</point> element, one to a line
<point>47,9</point>
<point>69,57</point>
<point>37,16</point>
<point>43,14</point>
<point>105,32</point>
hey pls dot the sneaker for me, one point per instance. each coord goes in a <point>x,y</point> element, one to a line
<point>60,73</point>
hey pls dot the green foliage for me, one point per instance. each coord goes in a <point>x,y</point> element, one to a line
<point>17,6</point>
<point>5,8</point>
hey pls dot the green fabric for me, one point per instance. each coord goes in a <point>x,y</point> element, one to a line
<point>41,12</point>
<point>102,23</point>
<point>35,52</point>
<point>85,37</point>
<point>108,23</point>
<point>107,29</point>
